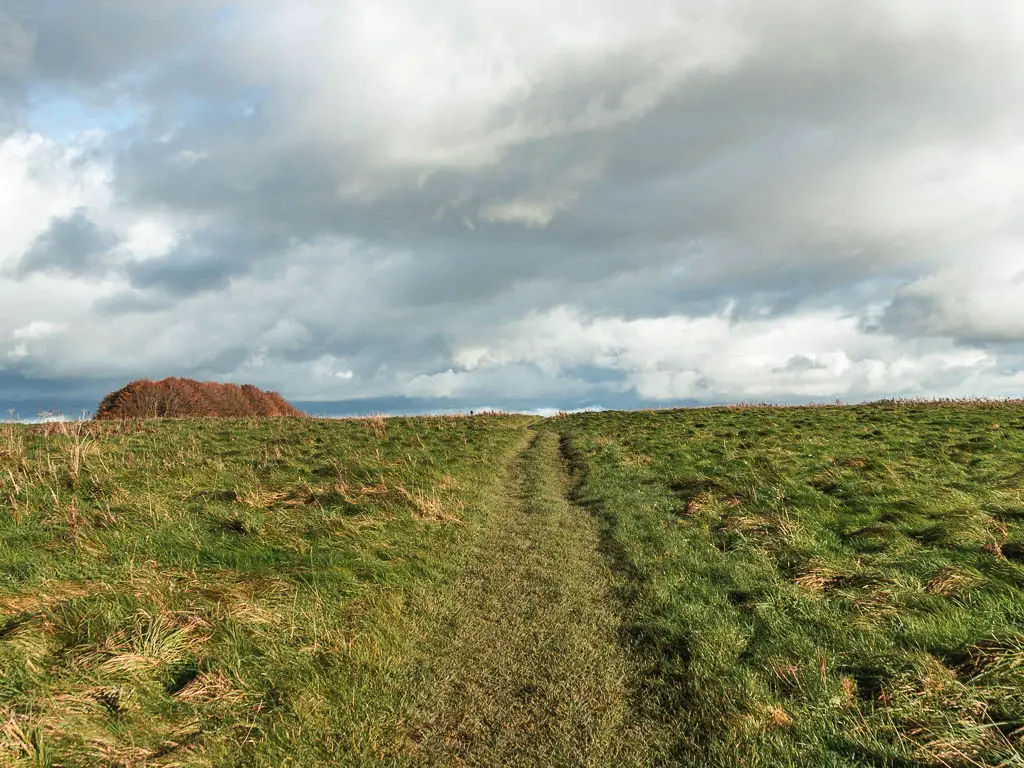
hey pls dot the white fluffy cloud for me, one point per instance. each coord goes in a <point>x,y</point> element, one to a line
<point>450,85</point>
<point>815,354</point>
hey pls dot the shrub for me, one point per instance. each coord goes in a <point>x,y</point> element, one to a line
<point>183,398</point>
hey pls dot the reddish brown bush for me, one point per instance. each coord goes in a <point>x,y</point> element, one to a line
<point>184,398</point>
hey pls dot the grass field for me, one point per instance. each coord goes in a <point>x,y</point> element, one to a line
<point>228,592</point>
<point>819,586</point>
<point>755,586</point>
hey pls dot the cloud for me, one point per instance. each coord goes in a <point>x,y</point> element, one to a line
<point>72,245</point>
<point>532,213</point>
<point>42,181</point>
<point>38,329</point>
<point>89,43</point>
<point>30,339</point>
<point>810,354</point>
<point>458,85</point>
<point>975,302</point>
<point>549,204</point>
<point>16,45</point>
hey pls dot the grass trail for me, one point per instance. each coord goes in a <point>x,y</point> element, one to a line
<point>533,673</point>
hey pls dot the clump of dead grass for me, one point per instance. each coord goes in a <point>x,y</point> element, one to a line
<point>430,506</point>
<point>820,577</point>
<point>23,740</point>
<point>47,594</point>
<point>761,526</point>
<point>635,460</point>
<point>215,687</point>
<point>152,641</point>
<point>953,581</point>
<point>377,425</point>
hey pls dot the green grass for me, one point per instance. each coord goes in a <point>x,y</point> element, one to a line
<point>819,586</point>
<point>227,592</point>
<point>756,586</point>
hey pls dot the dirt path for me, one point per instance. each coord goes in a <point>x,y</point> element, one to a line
<point>532,673</point>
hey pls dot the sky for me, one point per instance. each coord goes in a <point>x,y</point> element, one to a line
<point>407,206</point>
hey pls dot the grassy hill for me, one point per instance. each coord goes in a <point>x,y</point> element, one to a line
<point>759,586</point>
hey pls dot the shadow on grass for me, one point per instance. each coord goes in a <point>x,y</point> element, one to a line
<point>663,692</point>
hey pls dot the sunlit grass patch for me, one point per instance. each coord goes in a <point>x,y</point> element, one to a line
<point>821,585</point>
<point>218,592</point>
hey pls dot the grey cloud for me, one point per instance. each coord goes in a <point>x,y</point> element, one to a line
<point>16,46</point>
<point>184,273</point>
<point>90,42</point>
<point>224,362</point>
<point>913,315</point>
<point>133,302</point>
<point>73,246</point>
<point>800,363</point>
<point>207,261</point>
